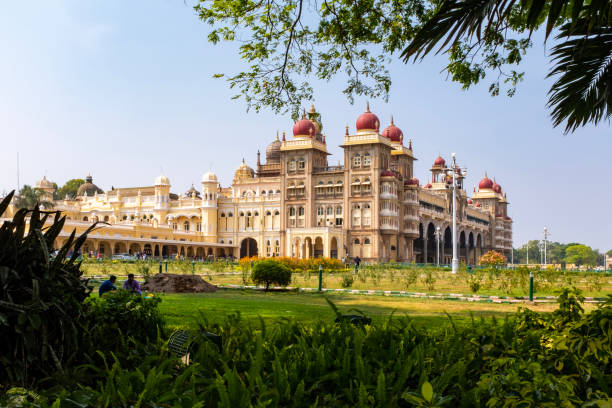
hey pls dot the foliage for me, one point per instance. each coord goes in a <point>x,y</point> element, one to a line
<point>532,359</point>
<point>270,271</point>
<point>493,259</point>
<point>297,264</point>
<point>347,280</point>
<point>475,281</point>
<point>580,255</point>
<point>119,315</point>
<point>286,42</point>
<point>581,60</point>
<point>69,189</point>
<point>29,197</point>
<point>40,298</point>
<point>430,280</point>
<point>143,269</point>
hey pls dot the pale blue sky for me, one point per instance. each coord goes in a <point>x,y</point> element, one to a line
<point>123,89</point>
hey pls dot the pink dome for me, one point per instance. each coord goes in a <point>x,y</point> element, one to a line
<point>393,133</point>
<point>387,173</point>
<point>304,127</point>
<point>368,120</point>
<point>412,182</point>
<point>439,161</point>
<point>478,205</point>
<point>485,183</point>
<point>469,201</point>
<point>497,188</point>
<point>428,185</point>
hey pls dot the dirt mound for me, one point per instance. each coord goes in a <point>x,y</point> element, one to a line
<point>170,283</point>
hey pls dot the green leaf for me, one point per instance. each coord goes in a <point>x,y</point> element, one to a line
<point>427,391</point>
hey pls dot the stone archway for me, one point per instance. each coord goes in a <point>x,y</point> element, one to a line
<point>104,249</point>
<point>333,248</point>
<point>248,248</point>
<point>430,249</point>
<point>120,248</point>
<point>318,247</point>
<point>419,249</point>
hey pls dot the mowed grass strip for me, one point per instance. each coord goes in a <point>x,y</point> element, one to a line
<point>183,310</point>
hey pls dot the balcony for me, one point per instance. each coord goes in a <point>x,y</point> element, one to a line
<point>328,169</point>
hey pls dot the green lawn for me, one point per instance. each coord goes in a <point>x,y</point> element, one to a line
<point>182,310</point>
<point>506,283</point>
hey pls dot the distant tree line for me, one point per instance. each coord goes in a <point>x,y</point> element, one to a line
<point>573,253</point>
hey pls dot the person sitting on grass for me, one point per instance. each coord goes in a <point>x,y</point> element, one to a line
<point>107,285</point>
<point>132,285</point>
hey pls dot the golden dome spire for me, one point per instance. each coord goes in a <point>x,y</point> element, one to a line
<point>367,106</point>
<point>346,132</point>
<point>392,124</point>
<point>312,108</point>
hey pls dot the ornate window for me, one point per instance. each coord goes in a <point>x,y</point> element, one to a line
<point>366,241</point>
<point>291,165</point>
<point>367,159</point>
<point>301,164</point>
<point>186,225</point>
<point>357,160</point>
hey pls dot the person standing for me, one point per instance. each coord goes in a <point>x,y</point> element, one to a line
<point>132,285</point>
<point>107,285</point>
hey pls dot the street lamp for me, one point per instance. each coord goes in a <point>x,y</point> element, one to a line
<point>438,245</point>
<point>452,171</point>
<point>545,239</point>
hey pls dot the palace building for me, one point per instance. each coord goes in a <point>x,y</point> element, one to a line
<point>293,203</point>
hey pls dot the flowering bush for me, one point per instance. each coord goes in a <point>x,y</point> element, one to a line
<point>493,259</point>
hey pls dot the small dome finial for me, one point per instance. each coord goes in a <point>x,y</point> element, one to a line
<point>312,108</point>
<point>367,106</point>
<point>410,144</point>
<point>277,135</point>
<point>392,124</point>
<point>243,162</point>
<point>346,132</point>
<point>304,113</point>
<point>284,136</point>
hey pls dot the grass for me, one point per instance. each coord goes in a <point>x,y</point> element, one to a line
<point>183,310</point>
<point>506,283</point>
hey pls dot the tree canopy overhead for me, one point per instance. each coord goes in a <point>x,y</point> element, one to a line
<point>285,42</point>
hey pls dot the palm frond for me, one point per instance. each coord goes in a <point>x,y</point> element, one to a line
<point>583,92</point>
<point>455,20</point>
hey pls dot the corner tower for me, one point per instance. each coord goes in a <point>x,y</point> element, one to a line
<point>209,205</point>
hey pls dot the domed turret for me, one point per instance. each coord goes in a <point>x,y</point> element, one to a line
<point>393,133</point>
<point>485,183</point>
<point>44,184</point>
<point>367,121</point>
<point>192,193</point>
<point>162,180</point>
<point>439,161</point>
<point>243,172</point>
<point>304,128</point>
<point>88,188</point>
<point>496,187</point>
<point>208,177</point>
<point>273,151</point>
<point>428,185</point>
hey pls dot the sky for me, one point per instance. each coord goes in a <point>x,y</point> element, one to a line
<point>124,91</point>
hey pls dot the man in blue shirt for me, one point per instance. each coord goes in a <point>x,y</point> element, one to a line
<point>107,285</point>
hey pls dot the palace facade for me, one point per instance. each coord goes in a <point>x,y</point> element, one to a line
<point>294,203</point>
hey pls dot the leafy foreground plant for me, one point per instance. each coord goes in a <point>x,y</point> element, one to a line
<point>559,359</point>
<point>40,298</point>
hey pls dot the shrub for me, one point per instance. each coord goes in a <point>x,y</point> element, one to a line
<point>347,280</point>
<point>269,271</point>
<point>119,315</point>
<point>411,277</point>
<point>143,269</point>
<point>493,259</point>
<point>430,280</point>
<point>40,298</point>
